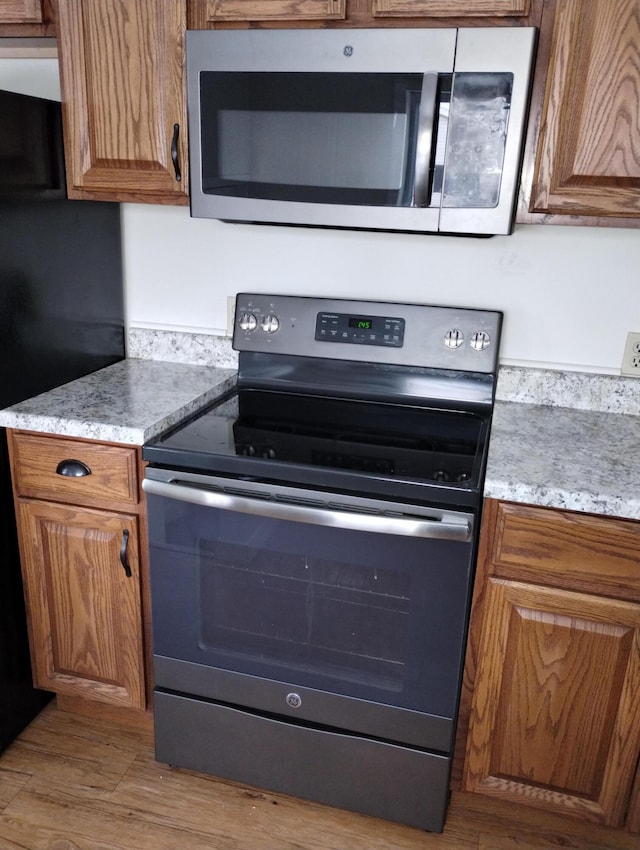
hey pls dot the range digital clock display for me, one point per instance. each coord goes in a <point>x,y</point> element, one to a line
<point>387,331</point>
<point>361,324</point>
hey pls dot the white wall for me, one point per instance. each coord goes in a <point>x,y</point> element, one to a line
<point>37,77</point>
<point>569,295</point>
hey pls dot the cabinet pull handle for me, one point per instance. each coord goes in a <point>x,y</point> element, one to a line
<point>73,468</point>
<point>123,553</point>
<point>174,152</point>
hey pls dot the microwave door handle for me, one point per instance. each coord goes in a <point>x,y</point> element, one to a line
<point>424,144</point>
<point>405,526</point>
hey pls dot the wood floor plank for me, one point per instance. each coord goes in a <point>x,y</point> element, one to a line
<point>505,821</point>
<point>11,781</point>
<point>37,821</point>
<point>243,816</point>
<point>65,749</point>
<point>82,783</point>
<point>155,806</point>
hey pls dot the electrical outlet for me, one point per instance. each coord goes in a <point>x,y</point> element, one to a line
<point>631,356</point>
<point>231,313</point>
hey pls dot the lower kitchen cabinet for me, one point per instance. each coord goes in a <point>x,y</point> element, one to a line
<point>554,664</point>
<point>80,546</point>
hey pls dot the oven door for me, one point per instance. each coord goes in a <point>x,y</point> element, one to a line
<point>334,610</point>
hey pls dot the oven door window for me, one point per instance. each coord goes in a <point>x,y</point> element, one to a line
<point>373,616</point>
<point>314,137</point>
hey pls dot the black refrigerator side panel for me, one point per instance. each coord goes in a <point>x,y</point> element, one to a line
<point>31,148</point>
<point>19,701</point>
<point>61,317</point>
<point>61,293</point>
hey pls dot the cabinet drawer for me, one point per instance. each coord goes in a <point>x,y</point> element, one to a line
<point>567,549</point>
<point>105,475</point>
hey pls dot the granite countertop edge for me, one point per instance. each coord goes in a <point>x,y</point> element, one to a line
<point>574,459</point>
<point>581,501</point>
<point>540,454</point>
<point>129,402</point>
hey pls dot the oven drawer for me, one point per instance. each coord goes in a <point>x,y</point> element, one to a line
<point>74,471</point>
<point>361,775</point>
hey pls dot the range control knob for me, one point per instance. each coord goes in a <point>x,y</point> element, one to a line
<point>248,322</point>
<point>480,340</point>
<point>453,338</point>
<point>270,323</point>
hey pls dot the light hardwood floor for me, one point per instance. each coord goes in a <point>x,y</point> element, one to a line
<point>87,783</point>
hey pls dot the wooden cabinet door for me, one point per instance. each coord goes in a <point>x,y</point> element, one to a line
<point>555,719</point>
<point>273,10</point>
<point>209,13</point>
<point>21,12</point>
<point>26,18</point>
<point>450,8</point>
<point>588,156</point>
<point>82,585</point>
<point>124,101</point>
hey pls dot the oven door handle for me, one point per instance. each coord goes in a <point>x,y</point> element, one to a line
<point>409,526</point>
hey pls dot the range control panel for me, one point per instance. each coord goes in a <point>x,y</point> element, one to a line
<point>360,329</point>
<point>372,331</point>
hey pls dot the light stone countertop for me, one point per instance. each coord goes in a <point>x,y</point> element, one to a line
<point>581,460</point>
<point>129,402</point>
<point>583,456</point>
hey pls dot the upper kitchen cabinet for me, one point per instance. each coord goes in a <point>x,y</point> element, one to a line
<point>212,14</point>
<point>450,8</point>
<point>207,12</point>
<point>21,12</point>
<point>587,161</point>
<point>26,18</point>
<point>123,99</point>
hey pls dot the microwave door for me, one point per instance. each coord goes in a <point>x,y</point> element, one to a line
<point>326,149</point>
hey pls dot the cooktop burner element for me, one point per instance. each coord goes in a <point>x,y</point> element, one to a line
<point>383,442</point>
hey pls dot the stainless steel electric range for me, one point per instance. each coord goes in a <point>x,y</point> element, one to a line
<point>312,545</point>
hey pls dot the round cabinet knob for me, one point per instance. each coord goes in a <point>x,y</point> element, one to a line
<point>270,323</point>
<point>453,338</point>
<point>248,322</point>
<point>480,340</point>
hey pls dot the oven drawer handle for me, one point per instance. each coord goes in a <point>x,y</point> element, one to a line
<point>408,526</point>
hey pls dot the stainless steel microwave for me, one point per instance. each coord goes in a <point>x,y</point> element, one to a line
<point>385,129</point>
